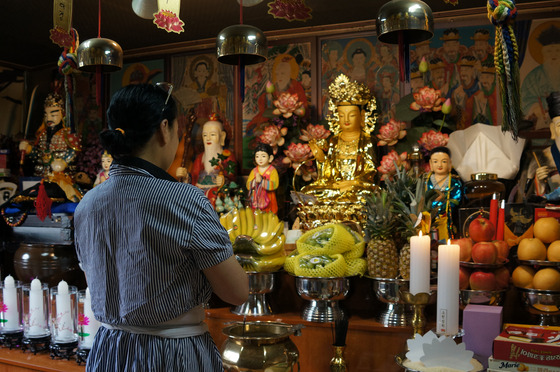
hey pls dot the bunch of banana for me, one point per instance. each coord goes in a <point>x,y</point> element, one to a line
<point>257,238</point>
<point>329,250</point>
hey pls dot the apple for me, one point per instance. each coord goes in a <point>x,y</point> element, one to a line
<point>481,230</point>
<point>482,280</point>
<point>465,246</point>
<point>503,250</point>
<point>464,274</point>
<point>502,277</point>
<point>484,252</point>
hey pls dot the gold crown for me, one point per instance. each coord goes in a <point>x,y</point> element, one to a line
<point>438,64</point>
<point>480,36</point>
<point>450,36</point>
<point>415,74</point>
<point>54,100</point>
<point>344,92</point>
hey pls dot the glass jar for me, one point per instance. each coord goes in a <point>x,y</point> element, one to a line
<point>480,190</point>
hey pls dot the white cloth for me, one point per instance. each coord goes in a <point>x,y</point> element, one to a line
<point>485,148</point>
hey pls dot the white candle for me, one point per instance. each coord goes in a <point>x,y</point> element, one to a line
<point>447,316</point>
<point>37,319</point>
<point>419,264</point>
<point>90,329</point>
<point>10,321</point>
<point>64,324</point>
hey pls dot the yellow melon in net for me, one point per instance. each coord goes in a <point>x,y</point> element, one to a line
<point>290,262</point>
<point>332,238</point>
<point>320,266</point>
<point>355,266</point>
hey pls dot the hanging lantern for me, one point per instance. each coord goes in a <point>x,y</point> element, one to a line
<point>100,52</point>
<point>404,22</point>
<point>241,44</point>
<point>411,18</point>
<point>145,8</point>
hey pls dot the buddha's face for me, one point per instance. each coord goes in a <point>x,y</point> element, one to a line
<point>551,54</point>
<point>440,163</point>
<point>350,118</point>
<point>212,135</point>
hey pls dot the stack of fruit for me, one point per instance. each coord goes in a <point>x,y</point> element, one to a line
<point>482,259</point>
<point>257,237</point>
<point>539,257</point>
<point>332,250</point>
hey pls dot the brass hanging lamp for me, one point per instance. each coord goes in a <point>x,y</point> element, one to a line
<point>241,44</point>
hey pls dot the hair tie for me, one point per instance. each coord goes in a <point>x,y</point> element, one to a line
<point>120,130</point>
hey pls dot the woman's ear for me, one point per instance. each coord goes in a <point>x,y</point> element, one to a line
<point>270,159</point>
<point>164,132</point>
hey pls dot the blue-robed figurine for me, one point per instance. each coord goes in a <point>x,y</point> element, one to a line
<point>449,188</point>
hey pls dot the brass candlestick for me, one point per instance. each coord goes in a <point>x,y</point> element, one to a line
<point>338,363</point>
<point>418,302</point>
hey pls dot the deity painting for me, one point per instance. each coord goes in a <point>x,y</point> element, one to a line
<point>540,71</point>
<point>287,70</point>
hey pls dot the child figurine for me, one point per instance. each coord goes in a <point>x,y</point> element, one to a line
<point>449,187</point>
<point>106,161</point>
<point>263,180</point>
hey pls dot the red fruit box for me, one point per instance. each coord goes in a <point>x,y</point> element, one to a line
<point>546,212</point>
<point>528,344</point>
<point>509,366</point>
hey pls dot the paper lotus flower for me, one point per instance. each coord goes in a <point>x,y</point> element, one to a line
<point>82,319</point>
<point>415,345</point>
<point>391,133</point>
<point>432,139</point>
<point>427,99</point>
<point>290,10</point>
<point>390,162</point>
<point>297,154</point>
<point>314,132</point>
<point>446,353</point>
<point>274,136</point>
<point>169,21</point>
<point>61,37</point>
<point>288,104</point>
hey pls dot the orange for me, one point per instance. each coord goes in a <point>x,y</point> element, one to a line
<point>553,251</point>
<point>547,279</point>
<point>531,249</point>
<point>547,229</point>
<point>522,276</point>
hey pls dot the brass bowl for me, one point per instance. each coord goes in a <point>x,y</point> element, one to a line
<point>544,304</point>
<point>479,297</point>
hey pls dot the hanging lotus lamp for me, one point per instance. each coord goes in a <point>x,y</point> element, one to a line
<point>145,8</point>
<point>412,20</point>
<point>100,54</point>
<point>404,22</point>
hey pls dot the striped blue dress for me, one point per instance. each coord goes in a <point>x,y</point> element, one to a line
<point>143,240</point>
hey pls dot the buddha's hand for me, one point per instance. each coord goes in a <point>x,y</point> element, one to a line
<point>220,180</point>
<point>316,150</point>
<point>542,172</point>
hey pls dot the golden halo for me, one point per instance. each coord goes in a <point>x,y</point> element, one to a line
<point>535,48</point>
<point>359,43</point>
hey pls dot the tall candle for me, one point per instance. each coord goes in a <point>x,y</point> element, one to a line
<point>501,221</point>
<point>64,324</point>
<point>419,264</point>
<point>37,318</point>
<point>447,316</point>
<point>90,324</point>
<point>10,310</point>
<point>494,213</point>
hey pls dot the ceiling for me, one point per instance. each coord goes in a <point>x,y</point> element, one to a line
<point>24,30</point>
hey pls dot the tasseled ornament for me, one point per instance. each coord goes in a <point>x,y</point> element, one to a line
<point>43,203</point>
<point>506,60</point>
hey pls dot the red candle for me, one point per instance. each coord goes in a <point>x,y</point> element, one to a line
<point>501,221</point>
<point>494,213</point>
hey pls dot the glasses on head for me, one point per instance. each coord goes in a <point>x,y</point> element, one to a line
<point>167,88</point>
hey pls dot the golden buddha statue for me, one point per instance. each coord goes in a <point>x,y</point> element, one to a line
<point>346,163</point>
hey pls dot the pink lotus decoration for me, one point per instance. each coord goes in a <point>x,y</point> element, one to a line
<point>391,133</point>
<point>61,37</point>
<point>298,153</point>
<point>314,132</point>
<point>169,21</point>
<point>290,10</point>
<point>274,136</point>
<point>390,162</point>
<point>433,139</point>
<point>427,99</point>
<point>288,104</point>
<point>83,320</point>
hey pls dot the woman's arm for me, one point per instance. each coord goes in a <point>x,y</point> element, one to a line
<point>229,281</point>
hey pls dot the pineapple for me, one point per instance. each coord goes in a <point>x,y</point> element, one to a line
<point>382,259</point>
<point>404,261</point>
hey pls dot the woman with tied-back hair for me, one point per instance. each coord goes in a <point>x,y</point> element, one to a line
<point>152,248</point>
